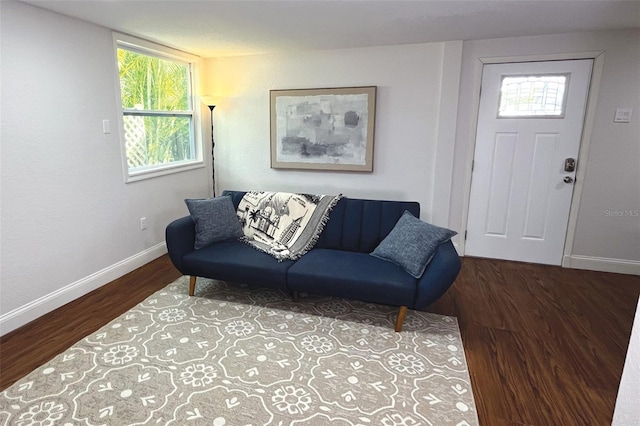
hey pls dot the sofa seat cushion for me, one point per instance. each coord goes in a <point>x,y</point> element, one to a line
<point>236,261</point>
<point>352,275</point>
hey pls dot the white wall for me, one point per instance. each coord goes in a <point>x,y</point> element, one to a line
<point>610,183</point>
<point>69,222</point>
<point>409,82</point>
<point>627,411</point>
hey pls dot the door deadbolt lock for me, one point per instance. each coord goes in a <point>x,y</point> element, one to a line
<point>570,165</point>
<point>568,179</point>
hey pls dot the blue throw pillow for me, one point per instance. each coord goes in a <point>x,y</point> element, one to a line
<point>215,220</point>
<point>412,243</point>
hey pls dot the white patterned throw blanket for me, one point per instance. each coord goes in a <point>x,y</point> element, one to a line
<point>283,224</point>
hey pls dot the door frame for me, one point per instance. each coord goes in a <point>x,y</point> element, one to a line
<point>585,139</point>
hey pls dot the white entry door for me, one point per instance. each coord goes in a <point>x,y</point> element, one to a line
<point>528,137</point>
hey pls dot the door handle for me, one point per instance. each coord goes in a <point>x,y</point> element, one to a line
<point>570,165</point>
<point>568,179</point>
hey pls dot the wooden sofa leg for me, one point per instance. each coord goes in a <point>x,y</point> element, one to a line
<point>402,312</point>
<point>295,296</point>
<point>192,285</point>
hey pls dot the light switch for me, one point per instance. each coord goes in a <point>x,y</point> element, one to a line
<point>106,127</point>
<point>623,115</point>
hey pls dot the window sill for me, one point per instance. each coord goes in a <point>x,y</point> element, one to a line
<point>162,171</point>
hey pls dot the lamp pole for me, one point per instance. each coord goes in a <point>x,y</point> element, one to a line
<point>213,144</point>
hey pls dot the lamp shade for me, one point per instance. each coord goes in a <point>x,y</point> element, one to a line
<point>210,100</point>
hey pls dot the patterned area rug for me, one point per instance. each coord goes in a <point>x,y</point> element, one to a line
<point>240,356</point>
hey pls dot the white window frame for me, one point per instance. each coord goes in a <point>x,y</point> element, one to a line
<point>152,49</point>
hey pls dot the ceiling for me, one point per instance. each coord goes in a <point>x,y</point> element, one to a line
<point>212,28</point>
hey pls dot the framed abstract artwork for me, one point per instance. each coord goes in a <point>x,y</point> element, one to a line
<point>323,129</point>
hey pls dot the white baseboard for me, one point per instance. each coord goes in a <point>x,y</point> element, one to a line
<point>590,263</point>
<point>620,266</point>
<point>35,309</point>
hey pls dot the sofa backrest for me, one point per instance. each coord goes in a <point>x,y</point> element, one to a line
<point>356,224</point>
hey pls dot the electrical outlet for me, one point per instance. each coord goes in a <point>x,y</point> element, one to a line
<point>143,223</point>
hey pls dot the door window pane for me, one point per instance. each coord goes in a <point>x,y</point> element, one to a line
<point>533,96</point>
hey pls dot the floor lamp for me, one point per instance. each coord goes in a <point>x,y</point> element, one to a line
<point>213,144</point>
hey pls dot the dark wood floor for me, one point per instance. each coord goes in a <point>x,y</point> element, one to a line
<point>545,345</point>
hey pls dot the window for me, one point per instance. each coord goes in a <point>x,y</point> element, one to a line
<point>541,96</point>
<point>158,118</point>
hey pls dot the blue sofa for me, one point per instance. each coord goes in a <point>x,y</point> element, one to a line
<point>339,264</point>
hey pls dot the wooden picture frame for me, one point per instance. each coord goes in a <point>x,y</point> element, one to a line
<point>323,129</point>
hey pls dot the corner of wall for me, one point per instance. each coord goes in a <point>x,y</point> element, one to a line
<point>446,132</point>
